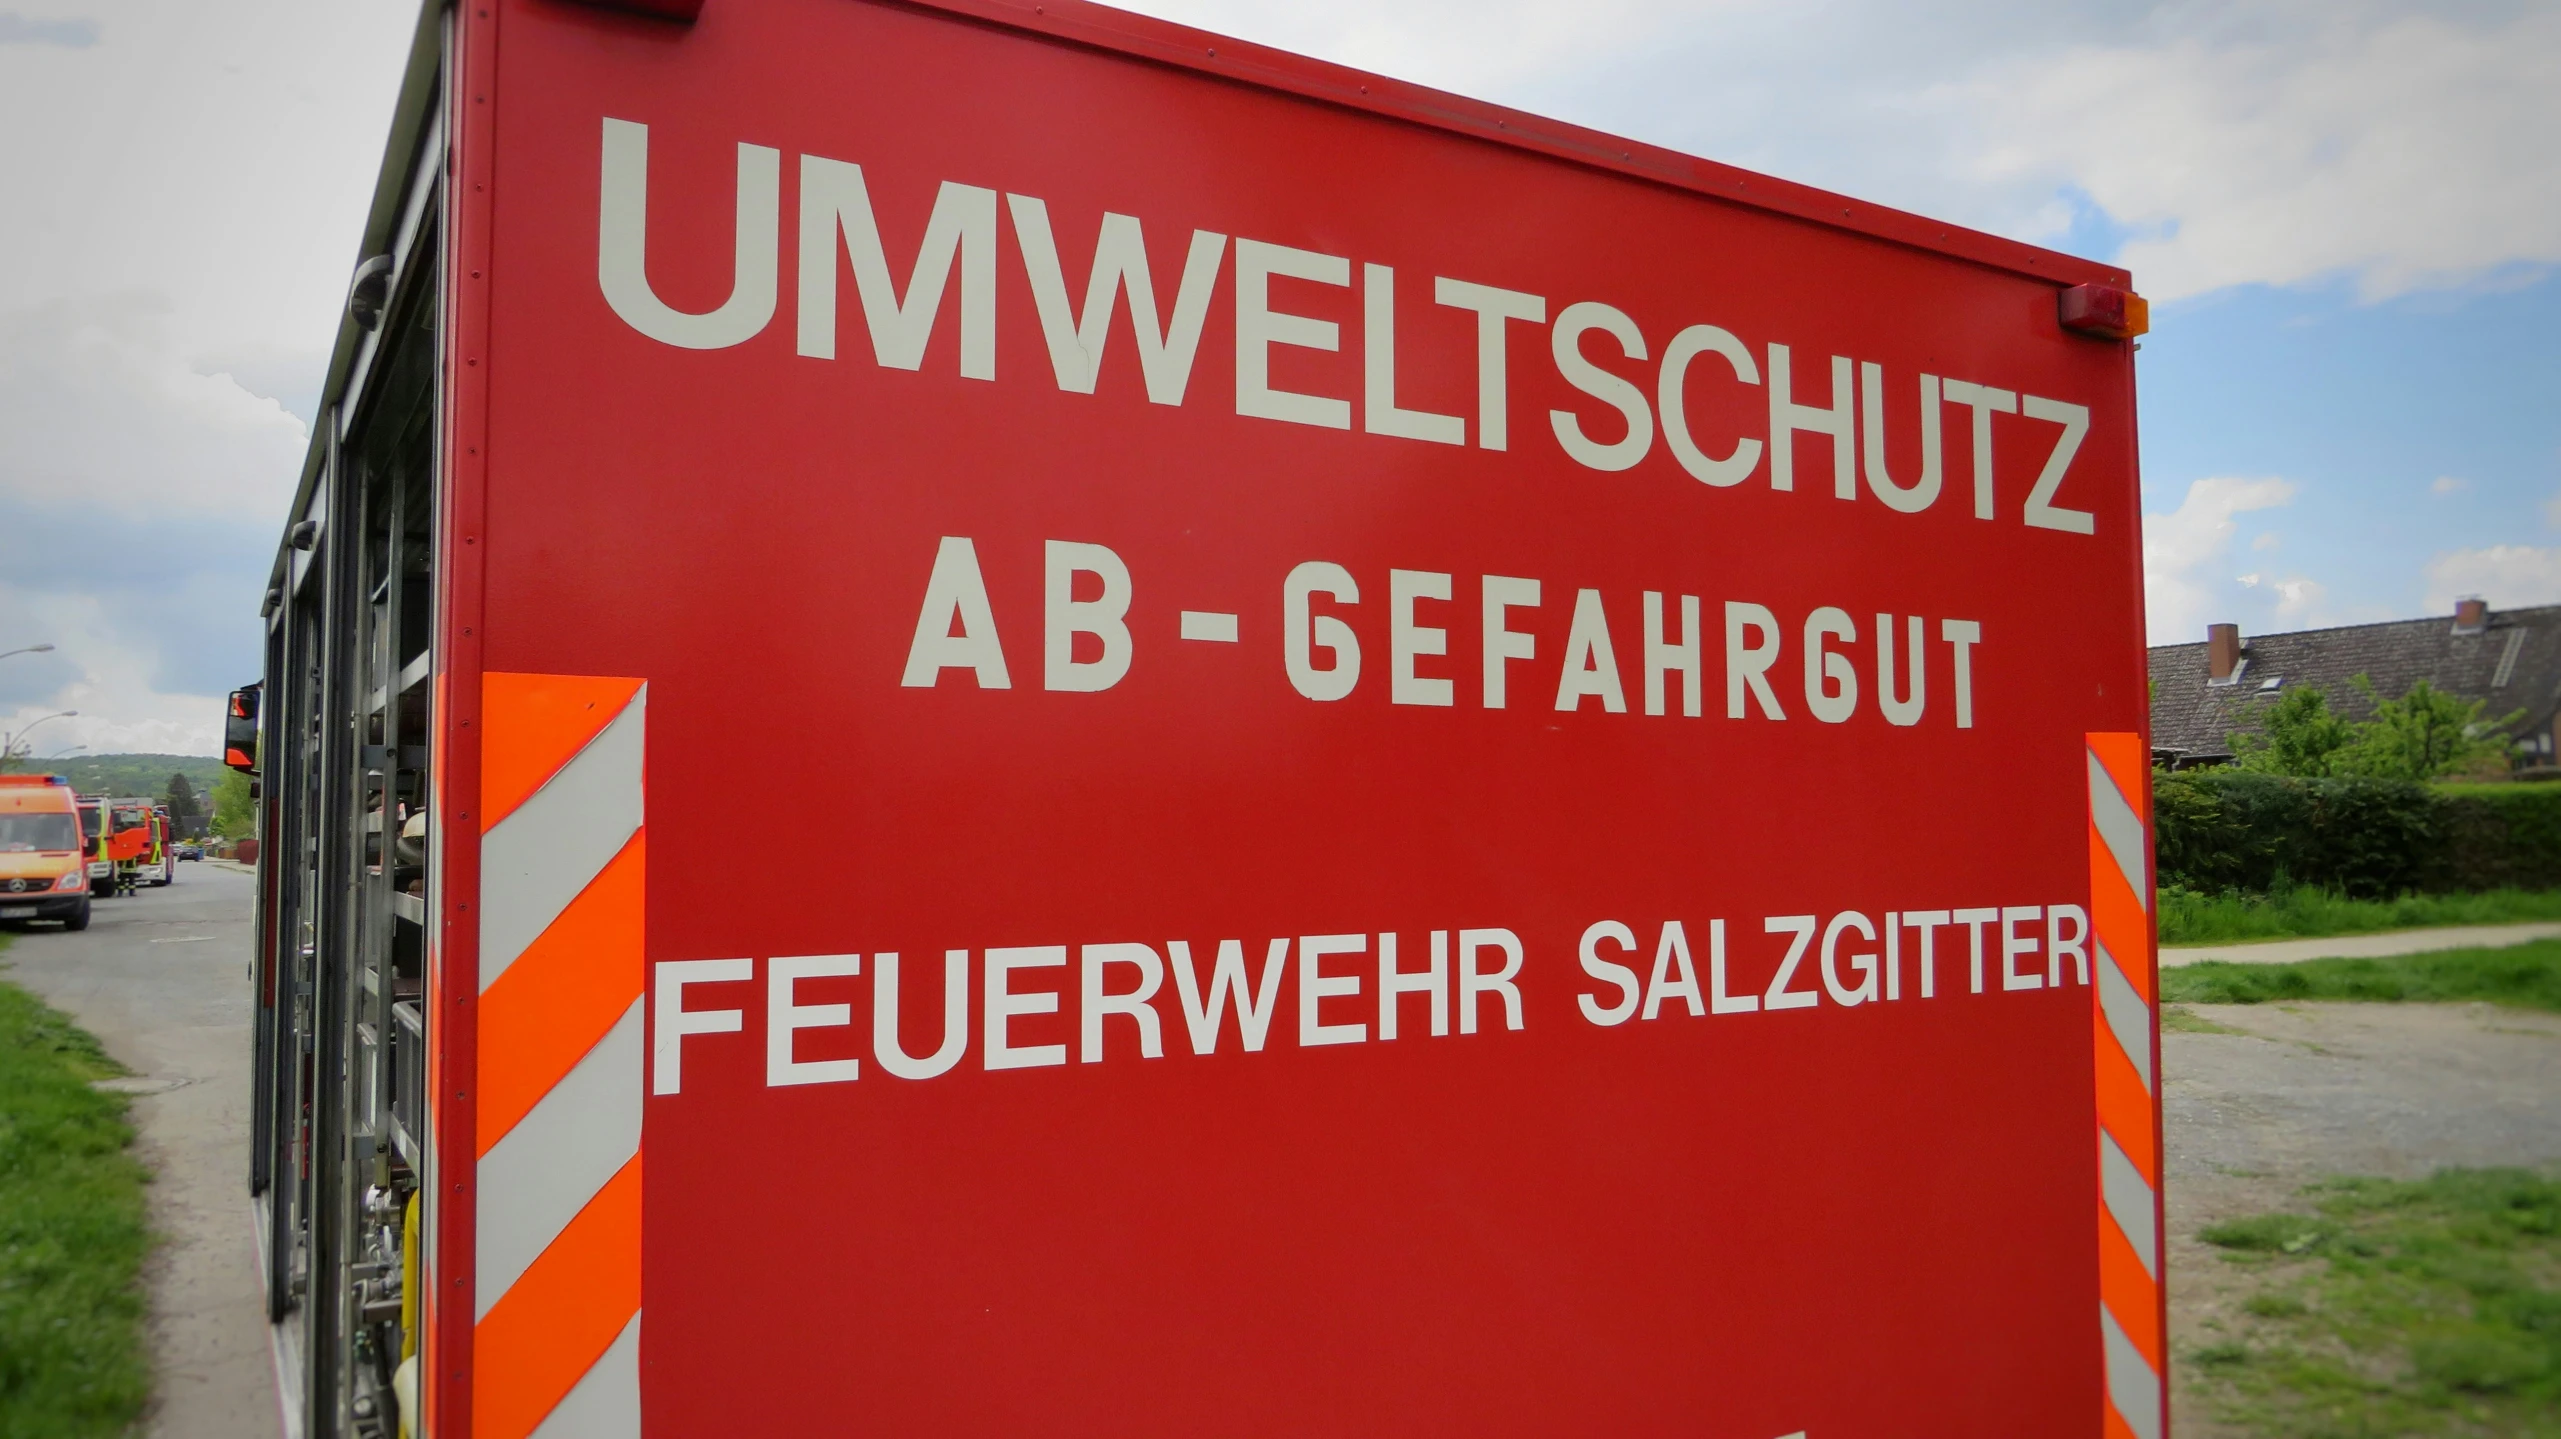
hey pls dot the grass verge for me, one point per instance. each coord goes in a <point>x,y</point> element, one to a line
<point>2525,975</point>
<point>2400,1308</point>
<point>72,1235</point>
<point>2188,917</point>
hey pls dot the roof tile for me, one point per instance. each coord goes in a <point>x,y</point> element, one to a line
<point>2199,718</point>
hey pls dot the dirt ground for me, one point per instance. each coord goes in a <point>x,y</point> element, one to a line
<point>2306,1091</point>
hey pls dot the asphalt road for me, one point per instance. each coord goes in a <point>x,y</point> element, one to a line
<point>159,977</point>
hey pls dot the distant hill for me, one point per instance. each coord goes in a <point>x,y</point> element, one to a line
<point>125,775</point>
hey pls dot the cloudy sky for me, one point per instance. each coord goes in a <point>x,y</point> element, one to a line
<point>2347,215</point>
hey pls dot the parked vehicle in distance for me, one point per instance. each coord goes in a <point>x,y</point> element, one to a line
<point>44,872</point>
<point>190,851</point>
<point>163,870</point>
<point>136,835</point>
<point>93,844</point>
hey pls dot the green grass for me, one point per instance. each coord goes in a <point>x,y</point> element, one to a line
<point>2527,976</point>
<point>2396,1308</point>
<point>2188,917</point>
<point>72,1237</point>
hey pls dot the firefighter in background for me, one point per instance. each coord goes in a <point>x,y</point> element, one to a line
<point>130,841</point>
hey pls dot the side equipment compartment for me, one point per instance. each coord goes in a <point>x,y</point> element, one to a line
<point>340,738</point>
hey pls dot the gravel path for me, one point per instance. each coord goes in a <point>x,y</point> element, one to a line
<point>2305,1091</point>
<point>2364,946</point>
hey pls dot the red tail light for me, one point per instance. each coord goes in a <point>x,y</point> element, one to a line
<point>2106,312</point>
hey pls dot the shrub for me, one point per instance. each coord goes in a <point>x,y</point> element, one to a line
<point>2224,830</point>
<point>2228,829</point>
<point>2497,835</point>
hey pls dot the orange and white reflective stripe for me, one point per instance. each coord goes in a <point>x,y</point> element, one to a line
<point>2130,1334</point>
<point>556,1339</point>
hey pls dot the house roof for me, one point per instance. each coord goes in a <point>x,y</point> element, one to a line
<point>2513,662</point>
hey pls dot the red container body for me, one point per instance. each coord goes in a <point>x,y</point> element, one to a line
<point>1609,1197</point>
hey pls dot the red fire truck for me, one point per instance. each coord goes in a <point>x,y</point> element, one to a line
<point>132,843</point>
<point>1478,778</point>
<point>96,845</point>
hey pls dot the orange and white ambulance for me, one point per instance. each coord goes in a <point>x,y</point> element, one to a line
<point>43,869</point>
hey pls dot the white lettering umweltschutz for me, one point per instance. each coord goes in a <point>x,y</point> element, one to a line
<point>1836,405</point>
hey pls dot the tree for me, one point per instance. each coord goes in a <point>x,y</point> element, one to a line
<point>2425,734</point>
<point>2301,737</point>
<point>235,815</point>
<point>185,815</point>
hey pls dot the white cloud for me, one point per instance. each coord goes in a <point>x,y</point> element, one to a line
<point>220,155</point>
<point>114,686</point>
<point>99,410</point>
<point>119,687</point>
<point>1468,46</point>
<point>17,29</point>
<point>2298,601</point>
<point>186,187</point>
<point>185,182</point>
<point>2508,576</point>
<point>130,481</point>
<point>2275,143</point>
<point>2297,604</point>
<point>2186,551</point>
<point>2404,144</point>
<point>150,618</point>
<point>2447,484</point>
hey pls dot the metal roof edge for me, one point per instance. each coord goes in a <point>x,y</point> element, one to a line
<point>1165,42</point>
<point>399,159</point>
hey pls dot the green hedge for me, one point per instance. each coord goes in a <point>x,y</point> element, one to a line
<point>2222,829</point>
<point>2498,835</point>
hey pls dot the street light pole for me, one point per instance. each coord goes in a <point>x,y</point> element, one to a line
<point>8,744</point>
<point>12,746</point>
